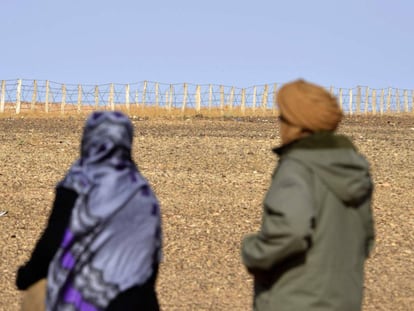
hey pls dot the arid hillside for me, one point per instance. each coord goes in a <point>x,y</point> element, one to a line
<point>210,176</point>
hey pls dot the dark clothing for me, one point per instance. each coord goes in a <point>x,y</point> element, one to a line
<point>36,268</point>
<point>317,228</point>
<point>141,297</point>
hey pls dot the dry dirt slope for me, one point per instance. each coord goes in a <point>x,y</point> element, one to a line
<point>210,177</point>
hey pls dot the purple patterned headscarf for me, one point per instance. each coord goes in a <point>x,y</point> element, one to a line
<point>114,235</point>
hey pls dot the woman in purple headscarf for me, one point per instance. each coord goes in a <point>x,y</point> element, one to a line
<point>102,246</point>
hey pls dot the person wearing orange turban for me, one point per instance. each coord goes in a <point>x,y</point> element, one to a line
<point>317,226</point>
<point>306,108</point>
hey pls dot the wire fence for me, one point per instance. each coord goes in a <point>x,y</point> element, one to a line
<point>47,96</point>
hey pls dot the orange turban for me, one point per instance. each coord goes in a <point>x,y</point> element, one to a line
<point>305,108</point>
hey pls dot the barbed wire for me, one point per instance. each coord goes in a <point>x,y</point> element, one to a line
<point>177,95</point>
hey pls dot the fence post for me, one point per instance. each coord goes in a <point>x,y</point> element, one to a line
<point>171,96</point>
<point>157,100</point>
<point>331,90</point>
<point>231,98</point>
<point>144,94</point>
<point>3,95</point>
<point>127,97</point>
<point>366,100</point>
<point>254,98</point>
<point>111,97</point>
<point>265,97</point>
<point>47,97</point>
<point>221,99</point>
<point>405,101</point>
<point>243,102</point>
<point>79,98</point>
<point>358,100</point>
<point>167,100</point>
<point>62,107</point>
<point>341,100</point>
<point>210,96</point>
<point>389,100</point>
<point>382,102</point>
<point>374,101</point>
<point>184,98</point>
<point>397,99</point>
<point>412,101</point>
<point>350,102</point>
<point>96,95</point>
<point>18,95</point>
<point>198,99</point>
<point>274,98</point>
<point>136,98</point>
<point>34,95</point>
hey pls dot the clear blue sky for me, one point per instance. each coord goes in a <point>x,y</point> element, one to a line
<point>235,42</point>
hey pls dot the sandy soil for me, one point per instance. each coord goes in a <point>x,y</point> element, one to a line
<point>210,176</point>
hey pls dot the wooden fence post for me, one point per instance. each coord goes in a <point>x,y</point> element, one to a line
<point>221,99</point>
<point>79,98</point>
<point>231,98</point>
<point>127,97</point>
<point>210,96</point>
<point>136,98</point>
<point>47,97</point>
<point>405,101</point>
<point>397,99</point>
<point>3,95</point>
<point>374,101</point>
<point>331,90</point>
<point>350,102</point>
<point>111,97</point>
<point>341,100</point>
<point>167,100</point>
<point>382,102</point>
<point>184,98</point>
<point>265,98</point>
<point>412,101</point>
<point>366,100</point>
<point>358,100</point>
<point>171,96</point>
<point>274,101</point>
<point>254,98</point>
<point>34,95</point>
<point>144,94</point>
<point>18,95</point>
<point>389,100</point>
<point>96,95</point>
<point>243,102</point>
<point>63,103</point>
<point>198,99</point>
<point>157,100</point>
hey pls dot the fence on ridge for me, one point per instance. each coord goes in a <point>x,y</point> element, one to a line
<point>23,95</point>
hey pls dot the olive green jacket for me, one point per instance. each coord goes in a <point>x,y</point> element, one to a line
<point>317,228</point>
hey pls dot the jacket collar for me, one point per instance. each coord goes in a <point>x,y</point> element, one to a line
<point>317,140</point>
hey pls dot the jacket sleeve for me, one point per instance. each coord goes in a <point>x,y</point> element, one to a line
<point>288,216</point>
<point>368,221</point>
<point>47,245</point>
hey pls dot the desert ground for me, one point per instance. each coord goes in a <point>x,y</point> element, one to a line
<point>210,176</point>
